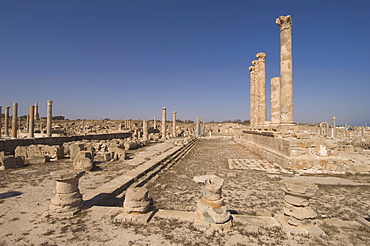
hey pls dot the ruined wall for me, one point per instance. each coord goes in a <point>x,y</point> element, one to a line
<point>9,145</point>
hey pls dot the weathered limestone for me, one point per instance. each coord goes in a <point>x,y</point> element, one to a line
<point>155,123</point>
<point>286,69</point>
<point>68,199</point>
<point>84,160</point>
<point>211,208</point>
<point>37,116</point>
<point>9,161</point>
<point>261,87</point>
<point>163,129</point>
<point>197,127</point>
<point>145,130</point>
<point>15,120</point>
<point>174,124</point>
<point>252,95</point>
<point>6,123</point>
<point>137,201</point>
<point>31,127</point>
<point>275,101</point>
<point>48,119</point>
<point>256,93</point>
<point>299,217</point>
<point>137,207</point>
<point>334,127</point>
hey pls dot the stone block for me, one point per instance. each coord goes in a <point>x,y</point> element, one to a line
<point>84,161</point>
<point>7,162</point>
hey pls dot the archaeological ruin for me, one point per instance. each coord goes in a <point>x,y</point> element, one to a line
<point>157,182</point>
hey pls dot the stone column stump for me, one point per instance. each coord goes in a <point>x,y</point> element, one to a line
<point>68,199</point>
<point>137,206</point>
<point>299,216</point>
<point>211,211</point>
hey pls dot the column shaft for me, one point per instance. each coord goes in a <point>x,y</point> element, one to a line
<point>275,101</point>
<point>163,130</point>
<point>252,96</point>
<point>6,123</point>
<point>15,120</point>
<point>174,124</point>
<point>48,119</point>
<point>145,130</point>
<point>31,126</point>
<point>261,87</point>
<point>286,70</point>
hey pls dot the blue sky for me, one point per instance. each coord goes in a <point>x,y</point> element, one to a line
<point>127,59</point>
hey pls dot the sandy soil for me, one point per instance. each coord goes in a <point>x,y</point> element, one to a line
<point>25,195</point>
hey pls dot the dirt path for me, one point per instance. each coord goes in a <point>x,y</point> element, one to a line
<point>246,192</point>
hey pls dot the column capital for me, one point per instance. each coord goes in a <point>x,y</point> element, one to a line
<point>284,22</point>
<point>254,63</point>
<point>7,107</point>
<point>50,102</point>
<point>164,108</point>
<point>174,112</point>
<point>261,56</point>
<point>251,68</point>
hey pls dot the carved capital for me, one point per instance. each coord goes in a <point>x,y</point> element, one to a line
<point>284,22</point>
<point>254,62</point>
<point>261,56</point>
<point>251,69</point>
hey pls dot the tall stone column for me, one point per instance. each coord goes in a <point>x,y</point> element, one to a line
<point>48,119</point>
<point>37,116</point>
<point>275,101</point>
<point>261,87</point>
<point>174,124</point>
<point>163,130</point>
<point>6,123</point>
<point>286,69</point>
<point>15,120</point>
<point>155,123</point>
<point>197,127</point>
<point>31,126</point>
<point>252,96</point>
<point>145,130</point>
<point>256,93</point>
<point>334,125</point>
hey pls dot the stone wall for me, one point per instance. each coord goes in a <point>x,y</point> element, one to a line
<point>9,145</point>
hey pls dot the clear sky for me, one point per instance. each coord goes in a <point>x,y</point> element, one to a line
<point>127,59</point>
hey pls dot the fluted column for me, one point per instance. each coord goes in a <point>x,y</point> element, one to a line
<point>15,120</point>
<point>6,123</point>
<point>286,69</point>
<point>31,126</point>
<point>252,95</point>
<point>174,124</point>
<point>275,101</point>
<point>261,87</point>
<point>163,130</point>
<point>48,119</point>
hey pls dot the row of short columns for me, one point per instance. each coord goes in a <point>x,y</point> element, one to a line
<point>281,87</point>
<point>33,114</point>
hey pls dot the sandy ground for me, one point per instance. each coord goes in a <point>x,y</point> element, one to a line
<point>25,195</point>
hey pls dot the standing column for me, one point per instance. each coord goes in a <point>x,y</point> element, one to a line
<point>163,123</point>
<point>6,123</point>
<point>48,119</point>
<point>286,70</point>
<point>37,111</point>
<point>197,130</point>
<point>145,130</point>
<point>256,93</point>
<point>15,120</point>
<point>262,87</point>
<point>155,123</point>
<point>174,124</point>
<point>31,126</point>
<point>275,101</point>
<point>334,126</point>
<point>252,95</point>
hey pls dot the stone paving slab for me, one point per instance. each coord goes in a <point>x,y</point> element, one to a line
<point>255,164</point>
<point>324,180</point>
